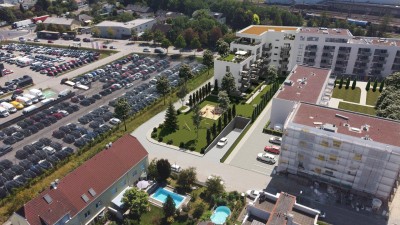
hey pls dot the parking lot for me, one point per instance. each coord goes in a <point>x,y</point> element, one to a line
<point>247,158</point>
<point>72,124</point>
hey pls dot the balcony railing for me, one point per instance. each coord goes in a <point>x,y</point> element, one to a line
<point>243,41</point>
<point>364,53</point>
<point>234,58</point>
<point>381,54</point>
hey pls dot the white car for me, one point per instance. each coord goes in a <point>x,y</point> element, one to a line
<point>222,142</point>
<point>252,193</point>
<point>266,158</point>
<point>146,50</point>
<point>63,112</point>
<point>115,121</point>
<point>175,168</point>
<point>276,140</point>
<point>212,176</point>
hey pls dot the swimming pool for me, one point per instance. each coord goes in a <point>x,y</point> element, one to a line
<point>220,214</point>
<point>161,195</point>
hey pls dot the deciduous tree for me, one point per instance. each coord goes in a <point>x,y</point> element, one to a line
<point>223,47</point>
<point>180,42</point>
<point>122,110</point>
<point>228,83</point>
<point>223,100</point>
<point>214,186</point>
<point>136,201</point>
<point>181,94</point>
<point>163,87</point>
<point>185,73</point>
<point>163,169</point>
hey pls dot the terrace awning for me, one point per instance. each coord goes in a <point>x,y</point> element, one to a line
<point>118,199</point>
<point>241,53</point>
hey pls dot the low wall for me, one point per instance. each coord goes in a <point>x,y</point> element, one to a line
<point>237,123</point>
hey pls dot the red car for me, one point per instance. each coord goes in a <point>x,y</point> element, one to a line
<point>272,149</point>
<point>50,41</point>
<point>58,115</point>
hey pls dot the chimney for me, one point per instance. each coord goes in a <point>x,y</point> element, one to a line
<point>53,185</point>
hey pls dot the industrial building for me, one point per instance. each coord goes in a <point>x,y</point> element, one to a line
<point>119,30</point>
<point>259,46</point>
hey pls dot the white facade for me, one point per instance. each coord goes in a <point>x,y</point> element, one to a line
<point>124,30</point>
<point>345,161</point>
<point>284,47</point>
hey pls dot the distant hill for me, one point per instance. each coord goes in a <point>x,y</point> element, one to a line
<point>289,2</point>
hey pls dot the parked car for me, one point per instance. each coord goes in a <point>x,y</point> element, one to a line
<point>272,149</point>
<point>266,158</point>
<point>115,121</point>
<point>252,193</point>
<point>146,50</point>
<point>222,142</point>
<point>275,140</point>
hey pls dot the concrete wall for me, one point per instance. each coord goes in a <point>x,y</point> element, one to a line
<point>236,123</point>
<point>234,68</point>
<point>280,110</point>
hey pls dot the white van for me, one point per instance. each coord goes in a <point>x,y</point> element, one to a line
<point>33,98</point>
<point>29,109</point>
<point>175,168</point>
<point>64,93</point>
<point>47,101</point>
<point>9,107</point>
<point>38,93</point>
<point>4,112</point>
<point>23,100</point>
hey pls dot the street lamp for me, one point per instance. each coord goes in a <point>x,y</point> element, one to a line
<point>301,192</point>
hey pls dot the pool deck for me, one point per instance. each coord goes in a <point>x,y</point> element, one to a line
<point>169,188</point>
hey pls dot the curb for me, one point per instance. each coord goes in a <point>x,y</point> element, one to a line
<point>151,140</point>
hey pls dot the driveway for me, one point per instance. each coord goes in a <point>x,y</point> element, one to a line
<point>216,153</point>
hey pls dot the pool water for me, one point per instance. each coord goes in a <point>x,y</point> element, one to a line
<point>220,214</point>
<point>161,195</point>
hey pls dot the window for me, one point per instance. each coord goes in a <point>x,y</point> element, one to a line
<point>276,47</point>
<point>275,53</point>
<point>87,214</point>
<point>312,38</point>
<point>114,190</point>
<point>123,183</point>
<point>228,69</point>
<point>134,173</point>
<point>98,204</point>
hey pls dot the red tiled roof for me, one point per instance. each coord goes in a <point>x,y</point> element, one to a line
<point>98,173</point>
<point>308,92</point>
<point>380,130</point>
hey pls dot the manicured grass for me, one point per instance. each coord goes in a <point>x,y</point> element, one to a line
<point>348,95</point>
<point>187,131</point>
<point>183,107</point>
<point>155,216</point>
<point>228,58</point>
<point>372,97</point>
<point>246,110</point>
<point>357,108</point>
<point>15,201</point>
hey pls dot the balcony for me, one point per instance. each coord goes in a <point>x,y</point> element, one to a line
<point>285,54</point>
<point>344,51</point>
<point>343,66</point>
<point>267,54</point>
<point>362,59</point>
<point>360,65</point>
<point>267,48</point>
<point>381,54</point>
<point>364,53</point>
<point>235,58</point>
<point>311,48</point>
<point>247,41</point>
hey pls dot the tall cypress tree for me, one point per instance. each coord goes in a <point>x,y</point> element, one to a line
<point>229,114</point>
<point>353,85</point>
<point>341,83</point>
<point>375,86</point>
<point>209,87</point>
<point>225,119</point>
<point>219,124</point>
<point>201,94</point>
<point>347,83</point>
<point>216,88</point>
<point>381,86</point>
<point>190,100</point>
<point>214,130</point>
<point>368,85</point>
<point>234,110</point>
<point>208,137</point>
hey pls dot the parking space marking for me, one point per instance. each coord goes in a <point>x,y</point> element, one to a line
<point>264,167</point>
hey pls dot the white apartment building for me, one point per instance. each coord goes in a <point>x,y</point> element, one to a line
<point>258,46</point>
<point>348,150</point>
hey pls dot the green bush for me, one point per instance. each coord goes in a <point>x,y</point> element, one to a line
<point>170,142</point>
<point>192,148</point>
<point>160,139</point>
<point>155,130</point>
<point>178,112</point>
<point>181,145</point>
<point>153,135</point>
<point>161,126</point>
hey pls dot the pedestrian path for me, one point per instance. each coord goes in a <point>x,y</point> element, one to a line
<point>255,94</point>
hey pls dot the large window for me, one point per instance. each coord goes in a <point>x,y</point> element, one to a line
<point>87,214</point>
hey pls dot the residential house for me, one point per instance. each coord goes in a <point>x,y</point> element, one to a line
<point>85,19</point>
<point>88,191</point>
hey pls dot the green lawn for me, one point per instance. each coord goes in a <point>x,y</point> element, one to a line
<point>187,132</point>
<point>348,95</point>
<point>357,108</point>
<point>372,97</point>
<point>228,58</point>
<point>156,214</point>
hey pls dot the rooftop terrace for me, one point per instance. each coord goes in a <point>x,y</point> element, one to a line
<point>260,29</point>
<point>348,123</point>
<point>306,84</point>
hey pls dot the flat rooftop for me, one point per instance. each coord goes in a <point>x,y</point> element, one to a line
<point>259,29</point>
<point>307,84</point>
<point>327,31</point>
<point>282,207</point>
<point>356,125</point>
<point>375,41</point>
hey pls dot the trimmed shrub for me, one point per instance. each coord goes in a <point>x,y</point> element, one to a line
<point>155,130</point>
<point>181,145</point>
<point>170,142</point>
<point>160,139</point>
<point>153,135</point>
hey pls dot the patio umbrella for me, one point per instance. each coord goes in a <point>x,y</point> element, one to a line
<point>142,184</point>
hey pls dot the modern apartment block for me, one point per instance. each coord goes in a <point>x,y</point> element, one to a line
<point>348,150</point>
<point>89,190</point>
<point>258,46</point>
